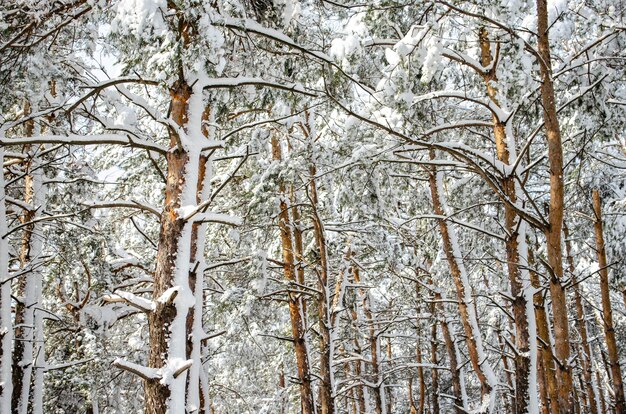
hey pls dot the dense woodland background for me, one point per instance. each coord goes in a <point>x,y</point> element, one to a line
<point>316,206</point>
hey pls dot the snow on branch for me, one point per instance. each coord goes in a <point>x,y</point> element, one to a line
<point>245,81</point>
<point>124,204</point>
<point>138,302</point>
<point>139,370</point>
<point>96,139</point>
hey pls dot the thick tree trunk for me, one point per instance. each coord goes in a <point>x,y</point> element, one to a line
<point>555,215</point>
<point>161,318</point>
<point>295,301</point>
<point>607,311</point>
<point>581,323</point>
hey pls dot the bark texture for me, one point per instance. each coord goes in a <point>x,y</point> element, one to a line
<point>555,215</point>
<point>607,311</point>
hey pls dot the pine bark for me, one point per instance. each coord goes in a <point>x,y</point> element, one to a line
<point>555,215</point>
<point>545,343</point>
<point>581,323</point>
<point>326,322</point>
<point>6,323</point>
<point>457,270</point>
<point>170,232</point>
<point>295,301</point>
<point>607,311</point>
<point>512,234</point>
<point>25,305</point>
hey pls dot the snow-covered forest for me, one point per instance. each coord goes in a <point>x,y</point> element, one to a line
<point>313,206</point>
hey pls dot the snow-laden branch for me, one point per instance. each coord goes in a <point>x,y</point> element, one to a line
<point>96,139</point>
<point>499,113</point>
<point>123,204</point>
<point>145,373</point>
<point>246,81</point>
<point>143,304</point>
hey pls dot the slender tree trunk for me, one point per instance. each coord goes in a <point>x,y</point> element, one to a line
<point>326,400</point>
<point>581,322</point>
<point>545,343</point>
<point>374,345</point>
<point>509,399</point>
<point>295,301</point>
<point>465,302</point>
<point>358,364</point>
<point>453,361</point>
<point>389,392</point>
<point>418,356</point>
<point>434,359</point>
<point>607,311</point>
<point>6,325</point>
<point>555,215</point>
<point>29,286</point>
<point>515,239</point>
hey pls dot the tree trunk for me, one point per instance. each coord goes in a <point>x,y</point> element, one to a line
<point>29,286</point>
<point>453,360</point>
<point>6,326</point>
<point>545,343</point>
<point>358,363</point>
<point>434,359</point>
<point>555,215</point>
<point>295,301</point>
<point>326,319</point>
<point>581,323</point>
<point>515,238</point>
<point>465,302</point>
<point>374,345</point>
<point>607,311</point>
<point>160,320</point>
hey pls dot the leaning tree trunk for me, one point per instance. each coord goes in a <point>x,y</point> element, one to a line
<point>467,312</point>
<point>555,215</point>
<point>607,311</point>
